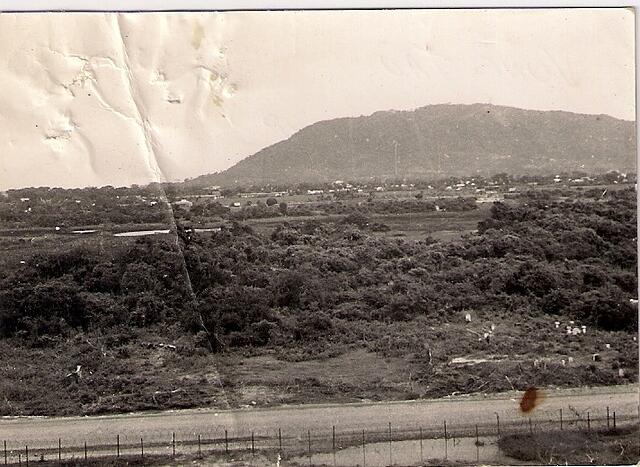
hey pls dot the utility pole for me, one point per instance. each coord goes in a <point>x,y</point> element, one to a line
<point>395,154</point>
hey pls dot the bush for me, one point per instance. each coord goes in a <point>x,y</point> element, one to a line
<point>607,308</point>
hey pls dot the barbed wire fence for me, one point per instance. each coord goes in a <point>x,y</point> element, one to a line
<point>383,443</point>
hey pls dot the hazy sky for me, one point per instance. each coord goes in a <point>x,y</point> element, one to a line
<point>96,99</point>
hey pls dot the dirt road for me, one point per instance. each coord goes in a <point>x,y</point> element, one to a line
<point>39,432</point>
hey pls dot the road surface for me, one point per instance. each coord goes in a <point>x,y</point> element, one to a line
<point>43,432</point>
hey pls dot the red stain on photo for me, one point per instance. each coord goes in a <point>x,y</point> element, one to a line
<point>530,400</point>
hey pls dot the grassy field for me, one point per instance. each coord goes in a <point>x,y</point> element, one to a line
<point>130,370</point>
<point>444,226</point>
<point>608,447</point>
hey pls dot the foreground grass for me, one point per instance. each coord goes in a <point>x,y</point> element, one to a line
<point>621,446</point>
<point>130,370</point>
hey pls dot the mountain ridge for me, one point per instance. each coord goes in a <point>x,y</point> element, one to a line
<point>437,141</point>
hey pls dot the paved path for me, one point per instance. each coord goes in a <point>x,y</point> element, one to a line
<point>42,432</point>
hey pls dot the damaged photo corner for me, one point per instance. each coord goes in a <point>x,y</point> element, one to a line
<point>384,235</point>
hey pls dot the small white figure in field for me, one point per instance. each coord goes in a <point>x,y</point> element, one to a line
<point>596,357</point>
<point>467,317</point>
<point>571,323</point>
<point>493,327</point>
<point>621,372</point>
<point>584,329</point>
<point>575,331</point>
<point>608,346</point>
<point>563,362</point>
<point>635,338</point>
<point>557,323</point>
<point>57,228</point>
<point>569,330</point>
<point>536,363</point>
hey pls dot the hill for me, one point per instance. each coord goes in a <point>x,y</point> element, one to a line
<point>440,140</point>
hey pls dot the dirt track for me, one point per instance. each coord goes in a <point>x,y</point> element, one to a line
<point>40,432</point>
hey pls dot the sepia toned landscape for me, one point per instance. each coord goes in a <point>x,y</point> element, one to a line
<point>378,289</point>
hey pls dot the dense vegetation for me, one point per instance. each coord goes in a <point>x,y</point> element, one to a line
<point>574,259</point>
<point>57,207</point>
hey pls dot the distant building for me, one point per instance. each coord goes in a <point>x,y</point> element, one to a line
<point>263,194</point>
<point>183,204</point>
<point>490,199</point>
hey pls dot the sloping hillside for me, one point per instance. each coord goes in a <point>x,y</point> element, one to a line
<point>441,140</point>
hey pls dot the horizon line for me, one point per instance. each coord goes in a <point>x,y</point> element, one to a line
<point>346,117</point>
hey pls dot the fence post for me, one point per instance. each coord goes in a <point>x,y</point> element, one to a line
<point>477,446</point>
<point>26,454</point>
<point>560,418</point>
<point>85,450</point>
<point>117,445</point>
<point>421,456</point>
<point>364,455</point>
<point>199,447</point>
<point>5,452</point>
<point>19,459</point>
<point>498,421</point>
<point>446,447</point>
<point>59,450</point>
<point>226,442</point>
<point>253,446</point>
<point>280,440</point>
<point>173,444</point>
<point>607,417</point>
<point>309,438</point>
<point>390,450</point>
<point>333,444</point>
<point>614,419</point>
<point>141,448</point>
<point>588,422</point>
